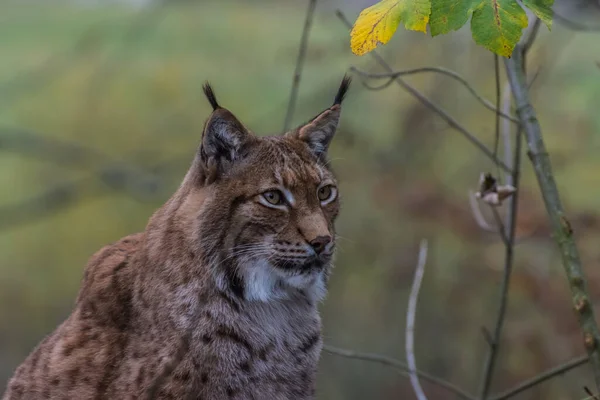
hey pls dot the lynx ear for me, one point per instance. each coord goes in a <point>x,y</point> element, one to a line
<point>223,135</point>
<point>319,132</point>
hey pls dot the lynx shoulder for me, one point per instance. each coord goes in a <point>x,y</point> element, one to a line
<point>217,298</point>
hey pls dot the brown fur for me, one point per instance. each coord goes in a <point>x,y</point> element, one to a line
<point>217,298</point>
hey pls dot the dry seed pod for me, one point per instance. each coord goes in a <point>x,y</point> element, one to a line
<point>492,193</point>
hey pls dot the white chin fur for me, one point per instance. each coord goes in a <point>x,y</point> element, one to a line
<point>264,283</point>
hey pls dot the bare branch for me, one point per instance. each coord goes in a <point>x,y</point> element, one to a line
<point>505,132</point>
<point>544,376</point>
<point>497,108</point>
<point>509,231</point>
<point>411,314</point>
<point>509,234</point>
<point>562,231</point>
<point>454,75</point>
<point>532,35</point>
<point>299,64</point>
<point>401,367</point>
<point>428,103</point>
<point>501,231</point>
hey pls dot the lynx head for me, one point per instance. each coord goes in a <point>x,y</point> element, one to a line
<point>261,210</point>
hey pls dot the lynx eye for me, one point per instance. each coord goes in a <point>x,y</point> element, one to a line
<point>274,197</point>
<point>326,193</point>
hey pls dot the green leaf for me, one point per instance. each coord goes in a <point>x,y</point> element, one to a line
<point>498,24</point>
<point>378,23</point>
<point>449,15</point>
<point>542,9</point>
<point>495,24</point>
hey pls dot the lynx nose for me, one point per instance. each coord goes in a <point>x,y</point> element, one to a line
<point>320,243</point>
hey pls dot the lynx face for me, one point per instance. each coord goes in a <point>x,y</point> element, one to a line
<point>267,220</point>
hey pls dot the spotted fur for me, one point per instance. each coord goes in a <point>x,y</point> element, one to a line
<point>217,298</point>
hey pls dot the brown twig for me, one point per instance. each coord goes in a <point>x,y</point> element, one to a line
<point>562,231</point>
<point>509,240</point>
<point>401,367</point>
<point>444,71</point>
<point>299,64</point>
<point>500,227</point>
<point>544,376</point>
<point>497,108</point>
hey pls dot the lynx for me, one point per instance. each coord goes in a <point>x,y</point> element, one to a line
<point>217,298</point>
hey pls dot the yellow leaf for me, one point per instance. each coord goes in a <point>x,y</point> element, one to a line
<point>378,23</point>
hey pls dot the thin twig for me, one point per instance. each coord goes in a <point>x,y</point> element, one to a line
<point>444,71</point>
<point>299,64</point>
<point>591,396</point>
<point>411,314</point>
<point>401,367</point>
<point>561,228</point>
<point>510,231</point>
<point>532,36</point>
<point>505,132</point>
<point>428,103</point>
<point>500,226</point>
<point>497,108</point>
<point>544,376</point>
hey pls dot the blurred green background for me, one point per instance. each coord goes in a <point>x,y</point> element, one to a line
<point>101,111</point>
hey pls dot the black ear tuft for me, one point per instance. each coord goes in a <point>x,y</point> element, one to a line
<point>210,95</point>
<point>339,97</point>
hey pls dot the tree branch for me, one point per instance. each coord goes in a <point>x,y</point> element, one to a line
<point>444,71</point>
<point>411,314</point>
<point>401,367</point>
<point>299,64</point>
<point>544,376</point>
<point>505,132</point>
<point>501,230</point>
<point>562,232</point>
<point>509,235</point>
<point>428,103</point>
